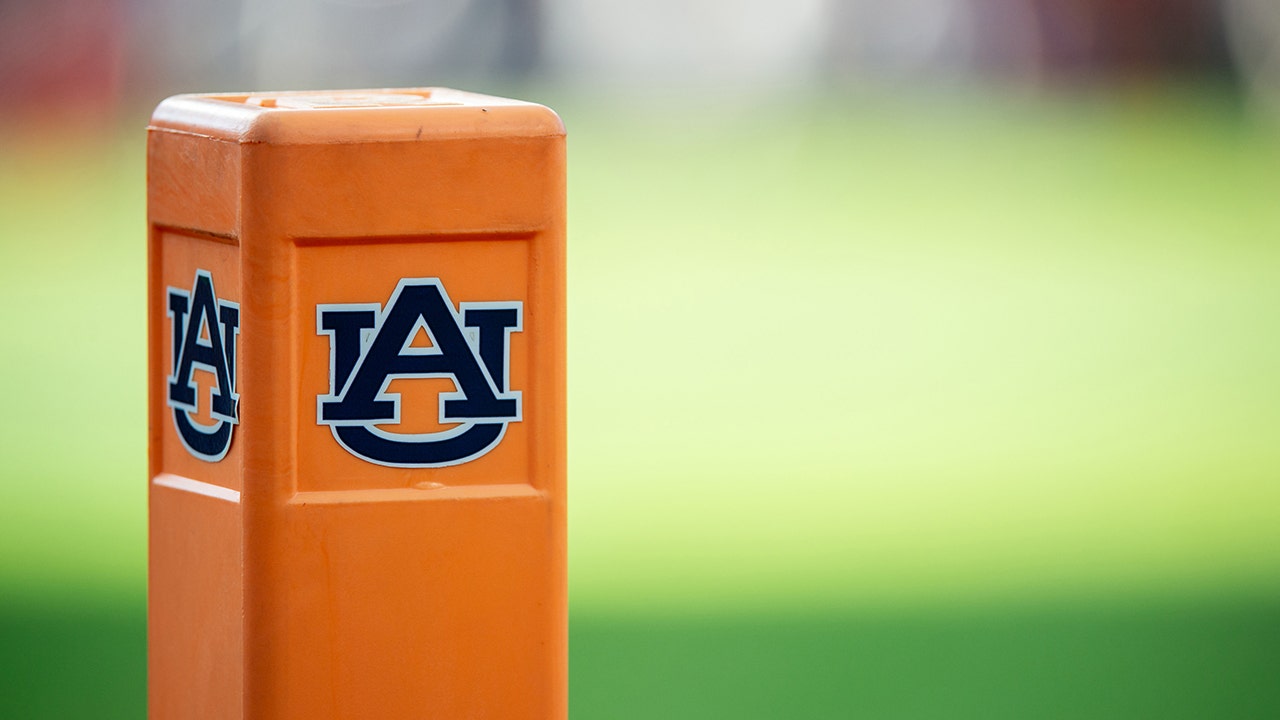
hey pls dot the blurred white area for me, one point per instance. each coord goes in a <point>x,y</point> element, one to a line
<point>262,44</point>
<point>904,38</point>
<point>934,39</point>
<point>711,43</point>
<point>301,43</point>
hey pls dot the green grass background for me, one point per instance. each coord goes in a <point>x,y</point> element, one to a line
<point>884,407</point>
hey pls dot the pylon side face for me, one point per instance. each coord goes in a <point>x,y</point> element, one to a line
<point>357,406</point>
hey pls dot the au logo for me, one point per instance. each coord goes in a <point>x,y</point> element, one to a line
<point>370,345</point>
<point>205,330</point>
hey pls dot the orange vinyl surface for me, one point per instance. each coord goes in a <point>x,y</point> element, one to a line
<point>290,576</point>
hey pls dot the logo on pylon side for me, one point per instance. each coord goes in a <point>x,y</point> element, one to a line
<point>370,345</point>
<point>205,332</point>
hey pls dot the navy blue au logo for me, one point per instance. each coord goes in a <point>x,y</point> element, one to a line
<point>370,345</point>
<point>205,330</point>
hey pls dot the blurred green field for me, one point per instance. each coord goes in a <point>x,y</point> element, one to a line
<point>938,407</point>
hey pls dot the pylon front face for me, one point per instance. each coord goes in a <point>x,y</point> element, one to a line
<point>357,407</point>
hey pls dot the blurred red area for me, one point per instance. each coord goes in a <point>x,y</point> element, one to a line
<point>1130,39</point>
<point>61,61</point>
